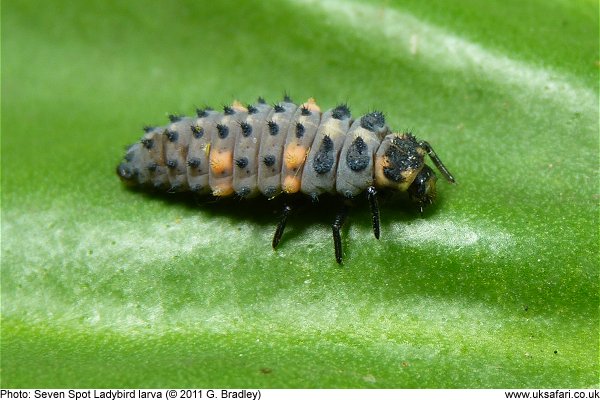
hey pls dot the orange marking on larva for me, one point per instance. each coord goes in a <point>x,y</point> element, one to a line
<point>223,190</point>
<point>291,184</point>
<point>294,156</point>
<point>311,104</point>
<point>221,163</point>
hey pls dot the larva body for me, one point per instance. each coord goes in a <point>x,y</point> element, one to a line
<point>283,149</point>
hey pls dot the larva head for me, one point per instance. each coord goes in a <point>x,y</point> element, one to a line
<point>422,190</point>
<point>398,161</point>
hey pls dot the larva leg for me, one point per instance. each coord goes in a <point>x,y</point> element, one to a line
<point>436,160</point>
<point>372,196</point>
<point>281,225</point>
<point>336,227</point>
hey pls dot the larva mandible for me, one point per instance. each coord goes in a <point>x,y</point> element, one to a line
<point>284,149</point>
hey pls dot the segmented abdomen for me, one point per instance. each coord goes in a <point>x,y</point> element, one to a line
<point>260,149</point>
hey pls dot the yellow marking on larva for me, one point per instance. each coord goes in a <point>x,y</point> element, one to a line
<point>294,156</point>
<point>207,149</point>
<point>223,190</point>
<point>311,105</point>
<point>239,107</point>
<point>221,163</point>
<point>381,180</point>
<point>291,184</point>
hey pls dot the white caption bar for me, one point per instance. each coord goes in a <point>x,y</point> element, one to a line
<point>299,394</point>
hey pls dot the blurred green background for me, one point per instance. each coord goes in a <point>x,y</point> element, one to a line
<point>496,286</point>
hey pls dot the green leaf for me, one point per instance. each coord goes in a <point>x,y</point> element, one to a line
<point>495,286</point>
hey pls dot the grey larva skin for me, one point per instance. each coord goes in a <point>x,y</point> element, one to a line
<point>199,145</point>
<point>245,179</point>
<point>353,176</point>
<point>286,149</point>
<point>178,160</point>
<point>319,175</point>
<point>271,148</point>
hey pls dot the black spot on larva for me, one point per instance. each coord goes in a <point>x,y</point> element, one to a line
<point>193,162</point>
<point>241,162</point>
<point>273,127</point>
<point>299,130</point>
<point>175,117</point>
<point>243,192</point>
<point>172,135</point>
<point>402,156</point>
<point>197,131</point>
<point>251,109</point>
<point>261,100</point>
<point>222,130</point>
<point>202,112</point>
<point>148,128</point>
<point>147,143</point>
<point>304,110</point>
<point>269,160</point>
<point>227,110</point>
<point>196,188</point>
<point>171,164</point>
<point>340,112</point>
<point>358,155</point>
<point>270,191</point>
<point>278,108</point>
<point>246,129</point>
<point>323,161</point>
<point>287,98</point>
<point>152,167</point>
<point>373,121</point>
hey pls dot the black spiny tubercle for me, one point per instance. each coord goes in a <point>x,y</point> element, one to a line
<point>246,129</point>
<point>197,131</point>
<point>241,162</point>
<point>175,118</point>
<point>273,127</point>
<point>341,111</point>
<point>305,111</point>
<point>299,130</point>
<point>222,130</point>
<point>172,136</point>
<point>147,143</point>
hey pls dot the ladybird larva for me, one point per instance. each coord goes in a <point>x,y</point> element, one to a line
<point>284,149</point>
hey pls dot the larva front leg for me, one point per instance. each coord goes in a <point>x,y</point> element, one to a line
<point>372,197</point>
<point>281,225</point>
<point>340,218</point>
